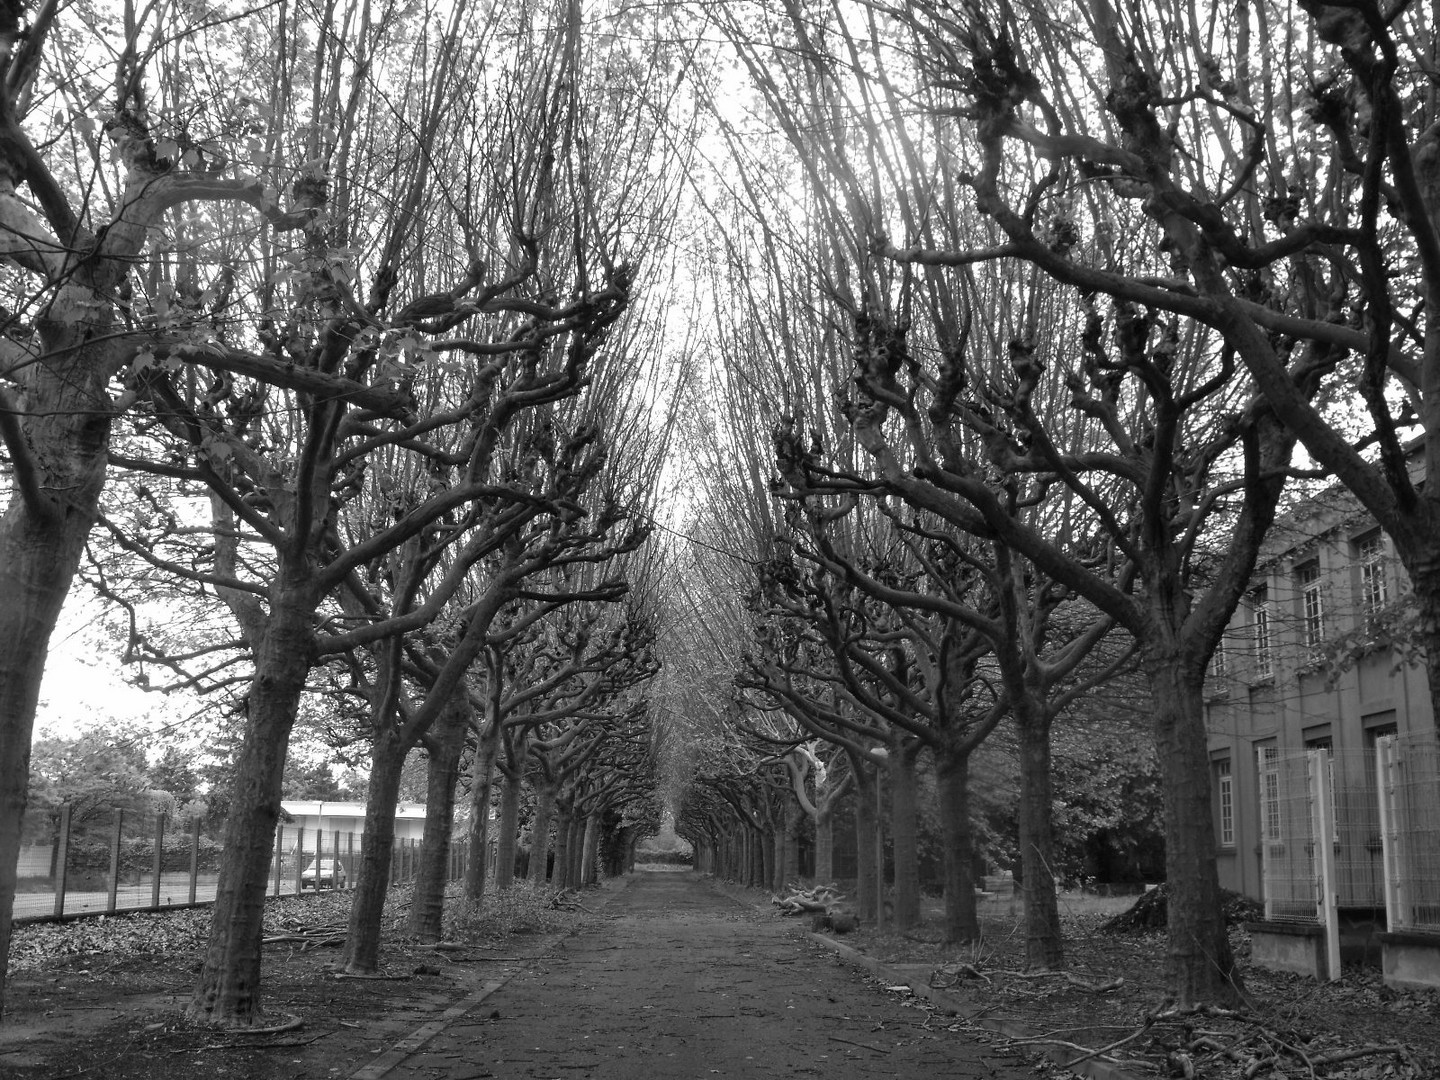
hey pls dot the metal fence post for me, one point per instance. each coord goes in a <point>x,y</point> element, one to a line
<point>279,854</point>
<point>1323,829</point>
<point>115,860</point>
<point>62,856</point>
<point>194,855</point>
<point>159,860</point>
<point>1386,765</point>
<point>299,858</point>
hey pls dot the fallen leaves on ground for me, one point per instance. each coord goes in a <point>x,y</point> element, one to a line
<point>1109,1005</point>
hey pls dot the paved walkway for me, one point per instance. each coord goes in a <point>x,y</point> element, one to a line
<point>678,981</point>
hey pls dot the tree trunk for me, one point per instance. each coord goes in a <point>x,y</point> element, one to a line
<point>482,784</point>
<point>575,873</point>
<point>952,777</point>
<point>904,838</point>
<point>563,820</point>
<point>442,773</point>
<point>361,953</point>
<point>766,860</point>
<point>540,831</point>
<point>508,832</point>
<point>227,993</point>
<point>1423,568</point>
<point>1044,945</point>
<point>1201,967</point>
<point>793,818</point>
<point>825,844</point>
<point>40,546</point>
<point>867,879</point>
<point>591,850</point>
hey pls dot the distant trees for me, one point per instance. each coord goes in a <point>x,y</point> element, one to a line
<point>98,769</point>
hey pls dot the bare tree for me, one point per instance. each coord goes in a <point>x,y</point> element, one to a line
<point>104,176</point>
<point>980,392</point>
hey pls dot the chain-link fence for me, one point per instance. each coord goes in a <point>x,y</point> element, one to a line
<point>1408,775</point>
<point>1293,857</point>
<point>82,860</point>
<point>1289,868</point>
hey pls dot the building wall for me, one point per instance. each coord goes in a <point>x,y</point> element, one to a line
<point>344,817</point>
<point>1329,573</point>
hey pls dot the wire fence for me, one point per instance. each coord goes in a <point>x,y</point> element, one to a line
<point>1294,853</point>
<point>1288,867</point>
<point>1408,768</point>
<point>99,860</point>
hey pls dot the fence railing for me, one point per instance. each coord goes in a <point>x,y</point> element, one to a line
<point>90,861</point>
<point>1290,870</point>
<point>1407,769</point>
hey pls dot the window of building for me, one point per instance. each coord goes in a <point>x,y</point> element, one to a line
<point>1225,798</point>
<point>1217,664</point>
<point>1312,603</point>
<point>1377,726</point>
<point>1374,590</point>
<point>1264,655</point>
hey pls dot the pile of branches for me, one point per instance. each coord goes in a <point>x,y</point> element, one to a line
<point>1213,1041</point>
<point>822,902</point>
<point>798,901</point>
<point>1150,911</point>
<point>309,937</point>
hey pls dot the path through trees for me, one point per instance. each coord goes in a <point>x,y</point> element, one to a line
<point>679,981</point>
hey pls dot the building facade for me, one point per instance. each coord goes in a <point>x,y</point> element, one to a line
<point>1316,658</point>
<point>346,818</point>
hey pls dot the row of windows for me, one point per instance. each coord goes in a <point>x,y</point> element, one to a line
<point>1269,796</point>
<point>1267,766</point>
<point>1374,594</point>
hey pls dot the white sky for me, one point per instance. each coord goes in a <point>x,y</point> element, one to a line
<point>84,682</point>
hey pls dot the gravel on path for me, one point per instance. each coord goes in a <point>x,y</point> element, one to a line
<point>675,980</point>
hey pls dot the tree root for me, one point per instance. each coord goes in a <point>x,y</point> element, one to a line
<point>1359,1052</point>
<point>276,1045</point>
<point>953,973</point>
<point>1069,977</point>
<point>291,1022</point>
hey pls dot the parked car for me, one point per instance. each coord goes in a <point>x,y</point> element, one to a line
<point>323,874</point>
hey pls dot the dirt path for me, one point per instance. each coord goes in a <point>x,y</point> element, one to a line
<point>676,981</point>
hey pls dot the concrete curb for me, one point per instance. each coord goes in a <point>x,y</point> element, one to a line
<point>1095,1070</point>
<point>385,1062</point>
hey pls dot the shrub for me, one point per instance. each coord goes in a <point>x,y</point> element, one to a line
<point>137,854</point>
